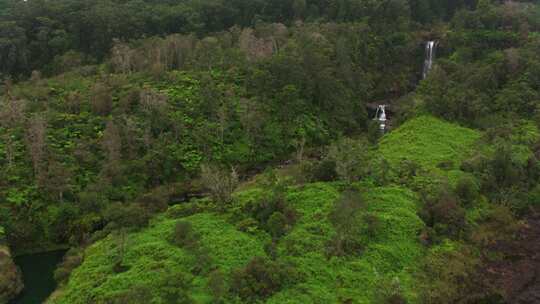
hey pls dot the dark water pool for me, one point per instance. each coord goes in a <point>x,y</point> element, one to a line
<point>38,276</point>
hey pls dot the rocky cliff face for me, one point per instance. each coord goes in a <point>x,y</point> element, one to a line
<point>10,276</point>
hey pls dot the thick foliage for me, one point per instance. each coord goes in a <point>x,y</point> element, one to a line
<point>54,36</point>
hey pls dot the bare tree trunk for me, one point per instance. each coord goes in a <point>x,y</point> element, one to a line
<point>300,144</point>
<point>222,114</point>
<point>10,153</point>
<point>35,140</point>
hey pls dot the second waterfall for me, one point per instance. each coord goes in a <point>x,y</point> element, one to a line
<point>429,57</point>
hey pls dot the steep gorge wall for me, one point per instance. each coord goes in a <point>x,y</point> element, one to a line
<point>10,277</point>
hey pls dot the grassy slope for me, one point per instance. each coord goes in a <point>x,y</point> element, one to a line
<point>428,141</point>
<point>151,257</point>
<point>436,147</point>
<point>391,255</point>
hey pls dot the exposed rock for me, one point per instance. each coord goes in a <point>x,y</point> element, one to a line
<point>10,276</point>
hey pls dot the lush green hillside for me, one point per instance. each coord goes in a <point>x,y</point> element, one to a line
<point>381,230</point>
<point>151,260</point>
<point>391,253</point>
<point>428,142</point>
<point>426,151</point>
<point>217,151</point>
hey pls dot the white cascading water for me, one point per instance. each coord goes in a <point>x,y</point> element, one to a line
<point>430,55</point>
<point>380,116</point>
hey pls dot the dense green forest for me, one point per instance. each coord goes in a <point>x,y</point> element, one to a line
<point>211,151</point>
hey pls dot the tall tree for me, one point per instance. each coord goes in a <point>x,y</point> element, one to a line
<point>35,142</point>
<point>14,53</point>
<point>112,145</point>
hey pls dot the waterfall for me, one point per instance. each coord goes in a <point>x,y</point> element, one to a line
<point>430,55</point>
<point>380,116</point>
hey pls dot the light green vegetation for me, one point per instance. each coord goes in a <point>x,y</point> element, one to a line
<point>426,151</point>
<point>151,260</point>
<point>109,116</point>
<point>428,141</point>
<point>523,135</point>
<point>392,252</point>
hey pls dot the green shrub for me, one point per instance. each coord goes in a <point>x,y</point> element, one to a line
<point>185,236</point>
<point>447,272</point>
<point>129,101</point>
<point>319,170</point>
<point>347,217</point>
<point>247,225</point>
<point>533,200</point>
<point>260,279</point>
<point>277,224</point>
<point>127,215</point>
<point>373,224</point>
<point>343,245</point>
<point>221,183</point>
<point>504,170</point>
<point>217,284</point>
<point>467,190</point>
<point>183,210</point>
<point>498,224</point>
<point>155,201</point>
<point>389,292</point>
<point>350,158</point>
<point>444,214</point>
<point>272,211</point>
<point>101,99</point>
<point>71,260</point>
<point>137,295</point>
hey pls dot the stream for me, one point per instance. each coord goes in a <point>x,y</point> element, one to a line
<point>38,276</point>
